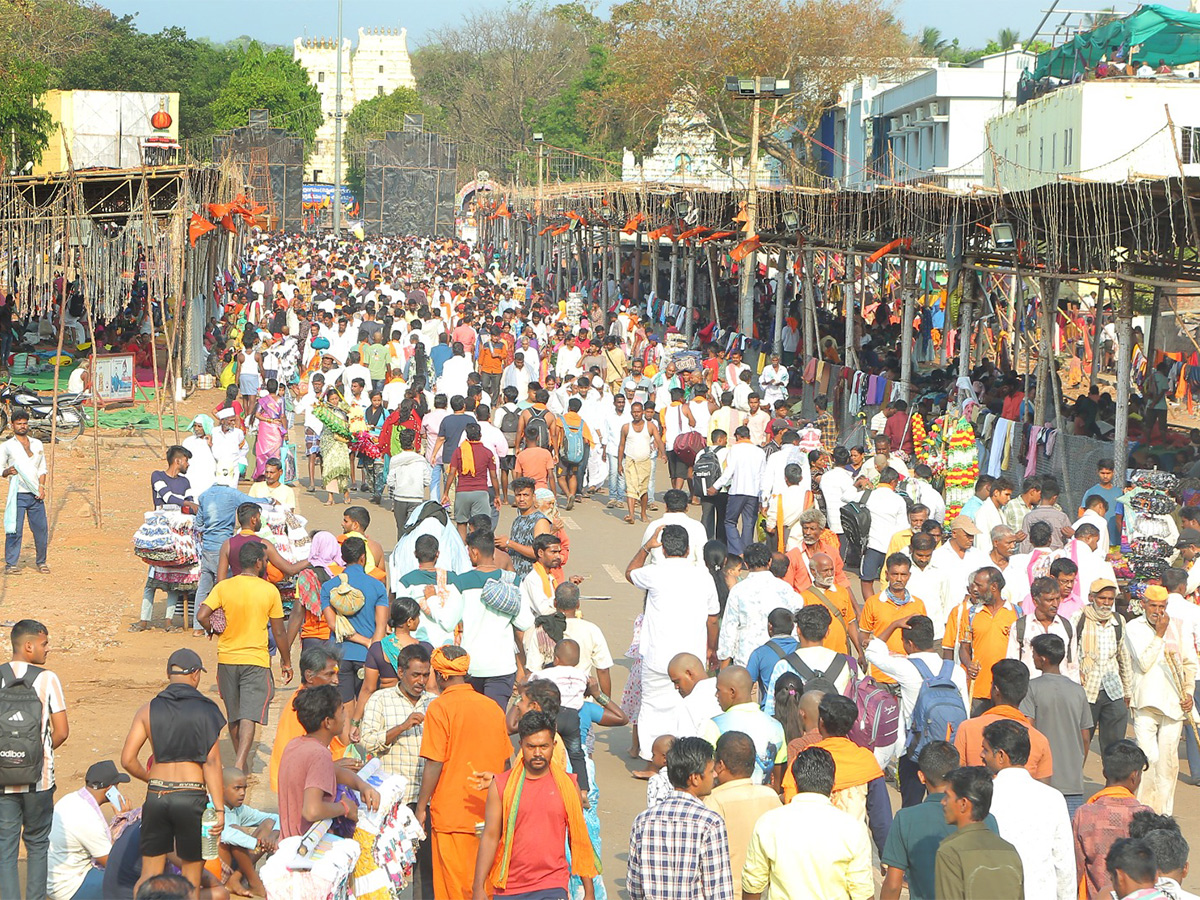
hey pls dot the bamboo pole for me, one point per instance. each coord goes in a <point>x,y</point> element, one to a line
<point>146,226</point>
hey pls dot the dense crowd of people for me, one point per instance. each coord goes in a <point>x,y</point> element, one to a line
<point>843,682</point>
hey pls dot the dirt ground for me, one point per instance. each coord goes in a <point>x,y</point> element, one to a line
<point>94,594</point>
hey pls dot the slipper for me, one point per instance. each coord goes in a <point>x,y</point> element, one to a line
<point>12,570</point>
<point>44,569</point>
<point>628,520</point>
<point>139,626</point>
<point>199,632</point>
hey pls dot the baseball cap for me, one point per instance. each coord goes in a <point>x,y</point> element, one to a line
<point>966,523</point>
<point>1102,584</point>
<point>184,662</point>
<point>104,774</point>
<point>1189,537</point>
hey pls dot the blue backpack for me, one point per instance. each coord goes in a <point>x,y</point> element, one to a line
<point>939,709</point>
<point>573,443</point>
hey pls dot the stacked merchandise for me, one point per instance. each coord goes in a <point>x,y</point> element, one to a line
<point>1150,531</point>
<point>166,540</point>
<point>962,462</point>
<point>288,531</point>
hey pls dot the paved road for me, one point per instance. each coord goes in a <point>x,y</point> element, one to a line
<point>601,546</point>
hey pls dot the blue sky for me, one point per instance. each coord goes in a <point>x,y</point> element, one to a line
<point>278,21</point>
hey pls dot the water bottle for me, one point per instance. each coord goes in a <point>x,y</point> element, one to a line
<point>209,839</point>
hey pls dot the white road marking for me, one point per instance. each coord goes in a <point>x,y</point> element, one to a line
<point>570,523</point>
<point>615,574</point>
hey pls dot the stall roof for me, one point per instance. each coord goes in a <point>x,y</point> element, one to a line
<point>1158,32</point>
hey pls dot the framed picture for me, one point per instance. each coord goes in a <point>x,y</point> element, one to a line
<point>115,380</point>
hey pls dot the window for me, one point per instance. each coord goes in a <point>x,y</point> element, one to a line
<point>1053,152</point>
<point>381,70</point>
<point>1068,146</point>
<point>1041,154</point>
<point>379,91</point>
<point>1189,143</point>
<point>320,77</point>
<point>683,164</point>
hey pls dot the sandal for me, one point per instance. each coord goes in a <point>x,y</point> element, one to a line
<point>12,570</point>
<point>628,519</point>
<point>141,625</point>
<point>44,569</point>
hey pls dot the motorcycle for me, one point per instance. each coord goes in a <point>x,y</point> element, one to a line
<point>71,420</point>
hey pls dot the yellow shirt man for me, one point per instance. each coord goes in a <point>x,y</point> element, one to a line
<point>250,603</point>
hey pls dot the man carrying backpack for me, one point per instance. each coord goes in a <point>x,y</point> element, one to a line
<point>27,781</point>
<point>933,694</point>
<point>507,417</point>
<point>1045,619</point>
<point>573,456</point>
<point>818,667</point>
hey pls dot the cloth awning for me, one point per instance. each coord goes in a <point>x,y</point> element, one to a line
<point>1154,32</point>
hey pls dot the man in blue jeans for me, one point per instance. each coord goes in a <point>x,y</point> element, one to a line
<point>216,522</point>
<point>23,462</point>
<point>30,807</point>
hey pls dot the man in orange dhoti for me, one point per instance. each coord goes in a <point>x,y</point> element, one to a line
<point>465,733</point>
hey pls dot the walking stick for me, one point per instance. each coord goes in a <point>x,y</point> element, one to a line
<point>1176,667</point>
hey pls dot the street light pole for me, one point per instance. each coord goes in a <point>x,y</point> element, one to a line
<point>337,132</point>
<point>749,264</point>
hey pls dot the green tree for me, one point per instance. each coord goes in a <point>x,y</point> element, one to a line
<point>1006,37</point>
<point>124,59</point>
<point>931,43</point>
<point>370,120</point>
<point>272,81</point>
<point>25,127</point>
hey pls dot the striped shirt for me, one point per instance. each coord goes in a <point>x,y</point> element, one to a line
<point>679,850</point>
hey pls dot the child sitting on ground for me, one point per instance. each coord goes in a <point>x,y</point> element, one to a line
<point>248,835</point>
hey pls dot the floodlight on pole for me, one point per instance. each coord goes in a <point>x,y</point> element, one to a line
<point>1003,237</point>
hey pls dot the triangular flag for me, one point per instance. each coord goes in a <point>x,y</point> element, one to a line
<point>217,210</point>
<point>227,221</point>
<point>632,225</point>
<point>745,248</point>
<point>717,235</point>
<point>197,227</point>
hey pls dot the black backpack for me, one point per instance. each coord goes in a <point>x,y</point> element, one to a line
<point>22,737</point>
<point>705,470</point>
<point>856,525</point>
<point>537,430</point>
<point>1022,625</point>
<point>509,424</point>
<point>825,682</point>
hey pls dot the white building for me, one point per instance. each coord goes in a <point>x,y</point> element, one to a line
<point>926,128</point>
<point>1108,130</point>
<point>686,154</point>
<point>377,66</point>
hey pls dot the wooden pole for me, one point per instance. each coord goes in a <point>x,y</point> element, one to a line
<point>146,240</point>
<point>689,324</point>
<point>1124,312</point>
<point>62,315</point>
<point>712,281</point>
<point>1097,328</point>
<point>780,303</point>
<point>908,293</point>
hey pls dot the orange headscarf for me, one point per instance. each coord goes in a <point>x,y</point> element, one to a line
<point>447,667</point>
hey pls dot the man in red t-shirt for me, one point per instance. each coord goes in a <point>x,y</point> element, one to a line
<point>471,464</point>
<point>541,805</point>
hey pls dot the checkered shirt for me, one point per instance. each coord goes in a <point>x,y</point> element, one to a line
<point>385,709</point>
<point>678,850</point>
<point>829,430</point>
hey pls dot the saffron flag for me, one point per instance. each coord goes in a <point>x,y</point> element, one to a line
<point>197,227</point>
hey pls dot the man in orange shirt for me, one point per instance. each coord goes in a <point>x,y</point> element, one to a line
<point>1009,680</point>
<point>843,636</point>
<point>881,609</point>
<point>465,734</point>
<point>816,539</point>
<point>318,665</point>
<point>979,629</point>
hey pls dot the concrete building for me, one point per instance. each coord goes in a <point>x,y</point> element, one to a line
<point>926,128</point>
<point>109,130</point>
<point>1107,130</point>
<point>377,66</point>
<point>686,154</point>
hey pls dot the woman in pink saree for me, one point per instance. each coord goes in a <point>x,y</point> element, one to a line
<point>272,427</point>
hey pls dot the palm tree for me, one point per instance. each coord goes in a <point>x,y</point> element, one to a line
<point>931,43</point>
<point>1007,37</point>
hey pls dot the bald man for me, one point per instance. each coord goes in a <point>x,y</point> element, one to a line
<point>741,713</point>
<point>698,692</point>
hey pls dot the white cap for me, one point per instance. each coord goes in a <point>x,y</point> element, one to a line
<point>226,413</point>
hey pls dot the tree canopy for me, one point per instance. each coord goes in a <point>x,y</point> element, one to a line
<point>371,119</point>
<point>269,80</point>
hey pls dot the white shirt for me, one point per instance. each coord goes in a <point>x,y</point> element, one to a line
<point>743,473</point>
<point>680,597</point>
<point>932,588</point>
<point>923,492</point>
<point>910,678</point>
<point>889,514</point>
<point>12,453</point>
<point>567,363</point>
<point>1091,517</point>
<point>986,518</point>
<point>358,370</point>
<point>774,481</point>
<point>228,446</point>
<point>1024,650</point>
<point>774,382</point>
<point>697,537</point>
<point>78,835</point>
<point>453,380</point>
<point>697,708</point>
<point>958,571</point>
<point>744,625</point>
<point>1153,684</point>
<point>837,485</point>
<point>1032,816</point>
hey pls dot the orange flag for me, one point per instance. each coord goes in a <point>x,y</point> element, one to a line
<point>218,210</point>
<point>198,226</point>
<point>716,236</point>
<point>745,248</point>
<point>633,223</point>
<point>693,232</point>
<point>227,221</point>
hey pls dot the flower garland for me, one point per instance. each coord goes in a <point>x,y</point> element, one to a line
<point>962,465</point>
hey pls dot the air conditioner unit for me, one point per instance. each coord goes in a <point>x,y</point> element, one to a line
<point>893,124</point>
<point>920,113</point>
<point>906,119</point>
<point>933,109</point>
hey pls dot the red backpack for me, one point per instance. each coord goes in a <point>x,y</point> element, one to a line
<point>878,722</point>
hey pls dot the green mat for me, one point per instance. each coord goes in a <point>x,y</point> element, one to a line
<point>139,417</point>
